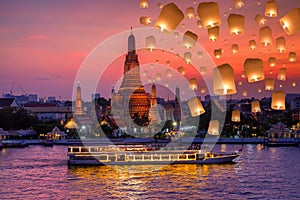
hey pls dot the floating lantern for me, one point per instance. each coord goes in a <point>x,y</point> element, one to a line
<point>244,93</point>
<point>213,128</point>
<point>189,39</point>
<point>265,36</point>
<point>193,84</point>
<point>150,80</point>
<point>200,54</point>
<point>259,90</point>
<point>169,18</point>
<point>213,33</point>
<point>272,61</point>
<point>236,116</point>
<point>234,49</point>
<point>261,21</point>
<point>209,14</point>
<point>236,24</point>
<point>144,3</point>
<point>224,80</point>
<point>271,9</point>
<point>181,70</point>
<point>190,13</point>
<point>255,106</point>
<point>280,44</point>
<point>240,83</point>
<point>158,77</point>
<point>202,70</point>
<point>169,73</point>
<point>160,5</point>
<point>168,62</point>
<point>167,84</point>
<point>290,22</point>
<point>199,24</point>
<point>243,75</point>
<point>278,100</point>
<point>145,72</point>
<point>238,3</point>
<point>294,84</point>
<point>269,84</point>
<point>254,69</point>
<point>176,34</point>
<point>145,20</point>
<point>150,43</point>
<point>202,89</point>
<point>195,107</point>
<point>187,57</point>
<point>292,57</point>
<point>281,74</point>
<point>252,44</point>
<point>218,53</point>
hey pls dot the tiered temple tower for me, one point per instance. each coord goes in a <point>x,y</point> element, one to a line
<point>78,103</point>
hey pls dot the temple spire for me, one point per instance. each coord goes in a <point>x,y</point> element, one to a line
<point>131,42</point>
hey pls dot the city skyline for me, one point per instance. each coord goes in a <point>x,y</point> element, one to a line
<point>42,52</point>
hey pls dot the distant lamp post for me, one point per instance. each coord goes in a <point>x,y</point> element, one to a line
<point>195,107</point>
<point>278,100</point>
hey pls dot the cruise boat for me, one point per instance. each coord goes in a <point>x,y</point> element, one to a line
<point>144,155</point>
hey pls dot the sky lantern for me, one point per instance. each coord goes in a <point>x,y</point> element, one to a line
<point>150,43</point>
<point>261,21</point>
<point>271,8</point>
<point>145,73</point>
<point>202,70</point>
<point>213,127</point>
<point>255,106</point>
<point>280,44</point>
<point>292,57</point>
<point>209,14</point>
<point>236,24</point>
<point>240,83</point>
<point>218,53</point>
<point>213,33</point>
<point>252,44</point>
<point>187,57</point>
<point>160,5</point>
<point>193,84</point>
<point>190,13</point>
<point>278,100</point>
<point>235,116</point>
<point>243,75</point>
<point>290,22</point>
<point>254,69</point>
<point>145,20</point>
<point>272,61</point>
<point>244,93</point>
<point>200,54</point>
<point>158,77</point>
<point>265,36</point>
<point>169,73</point>
<point>169,18</point>
<point>259,90</point>
<point>195,107</point>
<point>269,84</point>
<point>199,24</point>
<point>168,62</point>
<point>181,70</point>
<point>281,74</point>
<point>189,39</point>
<point>294,84</point>
<point>150,80</point>
<point>234,48</point>
<point>224,80</point>
<point>144,3</point>
<point>202,89</point>
<point>238,3</point>
<point>176,34</point>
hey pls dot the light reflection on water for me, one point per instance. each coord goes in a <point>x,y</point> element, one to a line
<point>40,172</point>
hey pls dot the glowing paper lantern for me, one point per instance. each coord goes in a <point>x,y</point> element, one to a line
<point>213,33</point>
<point>271,9</point>
<point>200,54</point>
<point>292,57</point>
<point>278,100</point>
<point>236,24</point>
<point>169,18</point>
<point>294,84</point>
<point>218,53</point>
<point>189,39</point>
<point>240,83</point>
<point>169,73</point>
<point>181,70</point>
<point>234,49</point>
<point>290,22</point>
<point>176,34</point>
<point>209,14</point>
<point>213,128</point>
<point>193,84</point>
<point>281,74</point>
<point>187,57</point>
<point>236,116</point>
<point>202,70</point>
<point>150,43</point>
<point>255,106</point>
<point>199,24</point>
<point>145,20</point>
<point>224,80</point>
<point>202,89</point>
<point>195,107</point>
<point>158,77</point>
<point>244,93</point>
<point>238,3</point>
<point>261,21</point>
<point>265,36</point>
<point>259,90</point>
<point>254,69</point>
<point>160,5</point>
<point>272,61</point>
<point>243,75</point>
<point>190,13</point>
<point>144,3</point>
<point>252,44</point>
<point>269,84</point>
<point>280,44</point>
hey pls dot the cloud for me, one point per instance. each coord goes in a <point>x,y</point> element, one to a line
<point>31,38</point>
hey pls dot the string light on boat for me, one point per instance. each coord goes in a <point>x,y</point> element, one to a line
<point>254,69</point>
<point>265,36</point>
<point>223,77</point>
<point>235,116</point>
<point>271,8</point>
<point>290,22</point>
<point>236,24</point>
<point>209,14</point>
<point>195,106</point>
<point>278,100</point>
<point>269,84</point>
<point>261,21</point>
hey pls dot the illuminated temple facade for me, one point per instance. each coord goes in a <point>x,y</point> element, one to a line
<point>131,98</point>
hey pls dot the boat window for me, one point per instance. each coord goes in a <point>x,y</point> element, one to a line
<point>192,156</point>
<point>83,149</point>
<point>69,149</point>
<point>183,156</point>
<point>102,157</point>
<point>75,149</point>
<point>147,157</point>
<point>165,157</point>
